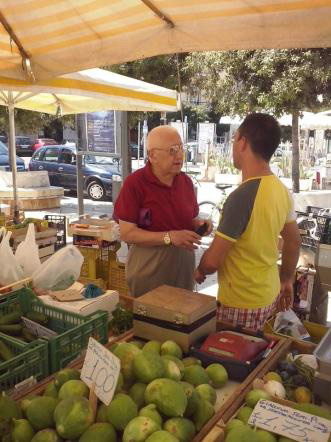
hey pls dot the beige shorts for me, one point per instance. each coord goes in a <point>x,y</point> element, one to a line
<point>150,267</point>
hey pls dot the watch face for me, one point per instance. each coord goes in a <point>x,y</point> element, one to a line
<point>167,239</point>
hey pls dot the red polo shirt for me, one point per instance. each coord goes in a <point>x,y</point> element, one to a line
<point>154,206</point>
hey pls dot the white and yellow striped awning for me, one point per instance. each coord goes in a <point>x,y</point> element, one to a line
<point>62,36</point>
<point>87,91</point>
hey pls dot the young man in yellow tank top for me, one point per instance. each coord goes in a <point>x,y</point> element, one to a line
<point>244,250</point>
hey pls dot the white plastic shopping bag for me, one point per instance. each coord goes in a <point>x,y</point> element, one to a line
<point>27,253</point>
<point>10,270</point>
<point>60,271</point>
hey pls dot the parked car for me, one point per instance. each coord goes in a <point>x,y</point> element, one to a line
<point>23,145</point>
<point>39,142</point>
<point>4,159</point>
<point>60,163</point>
<point>4,139</point>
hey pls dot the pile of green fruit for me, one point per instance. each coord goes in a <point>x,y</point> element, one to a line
<point>160,397</point>
<point>238,430</point>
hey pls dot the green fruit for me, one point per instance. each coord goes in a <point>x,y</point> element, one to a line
<point>234,423</point>
<point>126,352</point>
<point>74,388</point>
<point>114,346</point>
<point>191,361</point>
<point>242,434</point>
<point>313,409</point>
<point>47,435</point>
<point>22,431</point>
<point>120,383</point>
<point>148,366</point>
<point>192,398</point>
<point>9,410</point>
<point>139,428</point>
<point>65,375</point>
<point>151,412</point>
<point>139,344</point>
<point>272,376</point>
<point>102,414</point>
<point>253,397</point>
<point>171,348</point>
<point>40,412</point>
<point>73,416</point>
<point>244,414</point>
<point>265,436</point>
<point>51,390</point>
<point>203,413</point>
<point>121,411</point>
<point>179,363</point>
<point>137,393</point>
<point>171,370</point>
<point>162,436</point>
<point>181,428</point>
<point>217,374</point>
<point>207,392</point>
<point>154,346</point>
<point>195,375</point>
<point>100,432</point>
<point>168,396</point>
<point>24,403</point>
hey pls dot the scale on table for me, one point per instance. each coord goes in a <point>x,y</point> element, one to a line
<point>322,379</point>
<point>234,345</point>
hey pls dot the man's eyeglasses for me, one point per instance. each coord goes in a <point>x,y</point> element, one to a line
<point>172,150</point>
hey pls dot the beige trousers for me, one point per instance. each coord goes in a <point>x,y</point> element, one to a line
<point>150,267</point>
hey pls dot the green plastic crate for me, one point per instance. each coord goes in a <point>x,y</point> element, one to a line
<point>73,330</point>
<point>31,359</point>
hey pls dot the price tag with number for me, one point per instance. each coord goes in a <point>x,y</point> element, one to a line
<point>100,371</point>
<point>286,421</point>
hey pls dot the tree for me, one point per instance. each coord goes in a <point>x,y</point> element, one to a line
<point>277,81</point>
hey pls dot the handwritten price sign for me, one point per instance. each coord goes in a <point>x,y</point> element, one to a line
<point>100,370</point>
<point>294,424</point>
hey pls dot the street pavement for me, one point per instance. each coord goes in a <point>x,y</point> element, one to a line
<point>69,208</point>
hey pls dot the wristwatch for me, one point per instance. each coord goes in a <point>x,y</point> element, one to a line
<point>167,239</point>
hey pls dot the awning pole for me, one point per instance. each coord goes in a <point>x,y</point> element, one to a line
<point>12,149</point>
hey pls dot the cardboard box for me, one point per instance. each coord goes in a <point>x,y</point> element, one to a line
<point>107,302</point>
<point>177,314</point>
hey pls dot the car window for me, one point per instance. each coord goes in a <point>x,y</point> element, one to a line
<point>3,149</point>
<point>51,155</point>
<point>67,156</point>
<point>38,154</point>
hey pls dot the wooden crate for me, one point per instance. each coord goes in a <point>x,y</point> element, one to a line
<point>286,346</point>
<point>4,291</point>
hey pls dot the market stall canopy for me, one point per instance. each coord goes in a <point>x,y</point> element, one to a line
<point>308,120</point>
<point>87,91</point>
<point>47,38</point>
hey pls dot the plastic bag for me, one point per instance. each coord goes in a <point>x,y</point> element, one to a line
<point>27,253</point>
<point>10,270</point>
<point>289,324</point>
<point>60,271</point>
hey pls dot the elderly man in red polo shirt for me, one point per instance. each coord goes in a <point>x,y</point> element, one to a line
<point>157,212</point>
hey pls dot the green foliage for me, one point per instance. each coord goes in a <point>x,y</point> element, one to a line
<point>122,320</point>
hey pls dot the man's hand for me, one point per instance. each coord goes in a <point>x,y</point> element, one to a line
<point>286,296</point>
<point>185,239</point>
<point>199,276</point>
<point>199,222</point>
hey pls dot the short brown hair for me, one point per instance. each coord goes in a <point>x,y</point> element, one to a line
<point>262,132</point>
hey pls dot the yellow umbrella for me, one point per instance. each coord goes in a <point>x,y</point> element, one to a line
<point>86,91</point>
<point>47,38</point>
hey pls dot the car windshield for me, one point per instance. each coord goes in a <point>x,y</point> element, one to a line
<point>93,159</point>
<point>3,149</point>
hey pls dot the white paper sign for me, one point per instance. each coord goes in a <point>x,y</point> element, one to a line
<point>38,329</point>
<point>102,369</point>
<point>294,424</point>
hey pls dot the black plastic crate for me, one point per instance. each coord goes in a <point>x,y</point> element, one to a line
<point>314,209</point>
<point>58,222</point>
